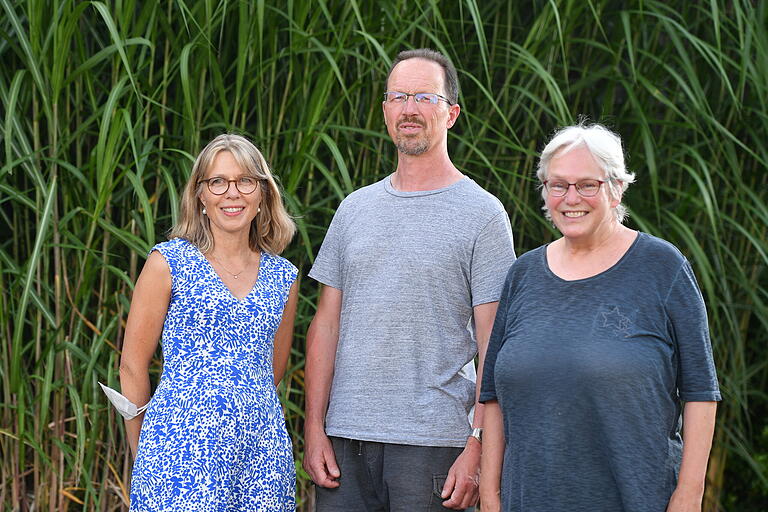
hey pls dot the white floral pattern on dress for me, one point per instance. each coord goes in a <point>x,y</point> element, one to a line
<point>214,437</point>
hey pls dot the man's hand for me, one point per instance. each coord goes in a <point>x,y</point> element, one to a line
<point>461,487</point>
<point>319,459</point>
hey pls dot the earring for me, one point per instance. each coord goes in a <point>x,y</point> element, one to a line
<point>205,212</point>
<point>258,210</point>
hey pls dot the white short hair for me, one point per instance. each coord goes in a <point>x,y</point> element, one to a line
<point>605,148</point>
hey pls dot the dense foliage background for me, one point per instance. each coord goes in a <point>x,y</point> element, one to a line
<point>105,103</point>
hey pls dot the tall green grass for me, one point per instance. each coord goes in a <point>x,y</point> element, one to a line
<point>104,105</point>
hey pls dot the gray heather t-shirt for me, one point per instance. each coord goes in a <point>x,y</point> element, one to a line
<point>590,375</point>
<point>411,266</point>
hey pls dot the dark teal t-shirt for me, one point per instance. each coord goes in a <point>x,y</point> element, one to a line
<point>590,376</point>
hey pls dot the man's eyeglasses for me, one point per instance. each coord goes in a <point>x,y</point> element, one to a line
<point>421,98</point>
<point>219,186</point>
<point>585,188</point>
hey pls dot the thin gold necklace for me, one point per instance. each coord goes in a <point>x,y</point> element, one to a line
<point>226,269</point>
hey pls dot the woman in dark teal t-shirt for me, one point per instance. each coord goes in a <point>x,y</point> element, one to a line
<point>600,344</point>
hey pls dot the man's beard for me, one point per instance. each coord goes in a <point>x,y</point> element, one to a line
<point>412,147</point>
<point>415,145</point>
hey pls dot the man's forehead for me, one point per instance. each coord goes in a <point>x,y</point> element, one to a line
<point>417,70</point>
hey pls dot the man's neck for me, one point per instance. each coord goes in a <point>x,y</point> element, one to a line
<point>424,172</point>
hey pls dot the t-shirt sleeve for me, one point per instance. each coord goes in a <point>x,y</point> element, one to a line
<point>697,379</point>
<point>327,266</point>
<point>496,341</point>
<point>492,255</point>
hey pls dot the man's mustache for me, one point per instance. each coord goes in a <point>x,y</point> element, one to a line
<point>412,120</point>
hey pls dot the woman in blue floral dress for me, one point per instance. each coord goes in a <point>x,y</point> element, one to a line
<point>223,302</point>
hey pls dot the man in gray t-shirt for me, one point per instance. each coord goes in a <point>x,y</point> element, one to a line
<point>413,267</point>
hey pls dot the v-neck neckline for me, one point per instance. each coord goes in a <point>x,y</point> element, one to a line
<point>224,285</point>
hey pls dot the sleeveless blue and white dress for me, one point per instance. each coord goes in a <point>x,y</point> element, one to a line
<point>214,437</point>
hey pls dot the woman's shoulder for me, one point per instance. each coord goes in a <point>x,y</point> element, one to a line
<point>657,249</point>
<point>175,243</point>
<point>279,272</point>
<point>173,247</point>
<point>531,256</point>
<point>531,261</point>
<point>279,264</point>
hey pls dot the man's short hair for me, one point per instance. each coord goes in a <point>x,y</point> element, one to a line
<point>450,77</point>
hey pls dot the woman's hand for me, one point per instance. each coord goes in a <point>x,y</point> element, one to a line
<point>490,502</point>
<point>684,501</point>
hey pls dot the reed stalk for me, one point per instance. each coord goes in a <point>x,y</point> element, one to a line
<point>104,103</point>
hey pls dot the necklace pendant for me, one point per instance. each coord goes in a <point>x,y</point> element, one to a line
<point>236,277</point>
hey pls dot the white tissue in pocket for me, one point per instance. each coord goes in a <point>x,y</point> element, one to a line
<point>125,407</point>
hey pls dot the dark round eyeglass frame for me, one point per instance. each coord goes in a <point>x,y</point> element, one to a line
<point>237,186</point>
<point>577,186</point>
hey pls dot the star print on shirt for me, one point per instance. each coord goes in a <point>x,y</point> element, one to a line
<point>614,318</point>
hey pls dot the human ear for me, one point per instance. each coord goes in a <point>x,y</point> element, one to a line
<point>619,191</point>
<point>453,114</point>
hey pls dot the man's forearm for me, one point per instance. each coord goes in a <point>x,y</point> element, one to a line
<point>318,375</point>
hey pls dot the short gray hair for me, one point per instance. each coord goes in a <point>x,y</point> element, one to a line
<point>605,148</point>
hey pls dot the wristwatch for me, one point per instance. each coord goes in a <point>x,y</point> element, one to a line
<point>477,433</point>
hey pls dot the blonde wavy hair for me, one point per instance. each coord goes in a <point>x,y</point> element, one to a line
<point>272,228</point>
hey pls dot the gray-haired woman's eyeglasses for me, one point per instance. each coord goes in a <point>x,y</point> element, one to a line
<point>585,188</point>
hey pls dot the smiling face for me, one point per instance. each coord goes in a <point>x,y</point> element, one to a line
<point>232,211</point>
<point>415,129</point>
<point>578,217</point>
